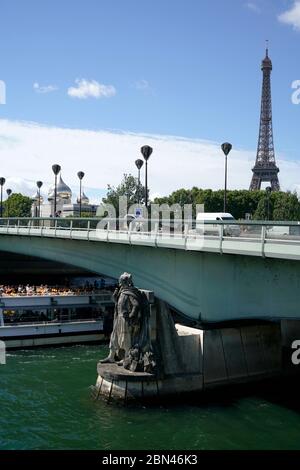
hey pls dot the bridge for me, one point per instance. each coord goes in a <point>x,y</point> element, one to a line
<point>210,274</point>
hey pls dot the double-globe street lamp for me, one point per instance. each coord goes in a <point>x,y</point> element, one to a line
<point>39,185</point>
<point>80,175</point>
<point>2,183</point>
<point>8,192</point>
<point>139,163</point>
<point>226,147</point>
<point>146,151</point>
<point>56,169</point>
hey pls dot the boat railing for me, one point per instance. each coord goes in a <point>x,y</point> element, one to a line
<point>53,322</point>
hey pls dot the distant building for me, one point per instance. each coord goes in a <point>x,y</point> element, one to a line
<point>64,205</point>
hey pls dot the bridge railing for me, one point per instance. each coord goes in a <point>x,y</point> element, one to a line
<point>176,227</point>
<point>220,236</point>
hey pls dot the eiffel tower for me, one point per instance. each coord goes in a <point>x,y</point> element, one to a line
<point>265,168</point>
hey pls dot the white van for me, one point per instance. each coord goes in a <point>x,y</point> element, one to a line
<point>231,230</point>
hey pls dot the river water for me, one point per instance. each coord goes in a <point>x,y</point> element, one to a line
<point>46,403</point>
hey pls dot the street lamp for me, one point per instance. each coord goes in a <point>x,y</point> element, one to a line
<point>56,169</point>
<point>226,147</point>
<point>80,175</point>
<point>39,185</point>
<point>268,193</point>
<point>139,163</point>
<point>2,183</point>
<point>8,192</point>
<point>146,151</point>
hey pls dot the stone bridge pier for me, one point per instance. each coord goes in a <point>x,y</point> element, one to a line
<point>199,359</point>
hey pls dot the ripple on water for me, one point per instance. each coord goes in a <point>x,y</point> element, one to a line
<point>46,403</point>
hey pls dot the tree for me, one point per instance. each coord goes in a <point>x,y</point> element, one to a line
<point>238,202</point>
<point>282,206</point>
<point>286,206</point>
<point>128,187</point>
<point>17,205</point>
<point>263,212</point>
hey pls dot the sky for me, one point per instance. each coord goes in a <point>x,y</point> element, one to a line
<point>87,83</point>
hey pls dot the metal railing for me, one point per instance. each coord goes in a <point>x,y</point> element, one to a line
<point>181,234</point>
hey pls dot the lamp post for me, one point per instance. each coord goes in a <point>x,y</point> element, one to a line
<point>139,163</point>
<point>80,175</point>
<point>56,169</point>
<point>2,183</point>
<point>146,151</point>
<point>226,147</point>
<point>268,193</point>
<point>39,185</point>
<point>8,192</point>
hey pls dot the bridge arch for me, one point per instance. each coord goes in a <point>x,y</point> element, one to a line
<point>204,286</point>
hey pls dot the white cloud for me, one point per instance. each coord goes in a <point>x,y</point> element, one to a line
<point>253,7</point>
<point>29,150</point>
<point>44,89</point>
<point>91,89</point>
<point>20,185</point>
<point>144,86</point>
<point>292,16</point>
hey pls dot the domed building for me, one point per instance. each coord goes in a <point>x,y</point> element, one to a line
<point>64,191</point>
<point>37,202</point>
<point>64,205</point>
<point>84,199</point>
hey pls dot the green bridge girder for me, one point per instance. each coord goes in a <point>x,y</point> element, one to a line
<point>205,286</point>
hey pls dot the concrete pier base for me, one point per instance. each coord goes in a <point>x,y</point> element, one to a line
<point>113,383</point>
<point>243,354</point>
<point>205,359</point>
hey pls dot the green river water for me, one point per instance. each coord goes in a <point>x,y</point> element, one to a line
<point>46,403</point>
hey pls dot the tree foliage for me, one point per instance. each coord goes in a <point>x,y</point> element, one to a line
<point>17,205</point>
<point>286,206</point>
<point>282,205</point>
<point>278,205</point>
<point>128,187</point>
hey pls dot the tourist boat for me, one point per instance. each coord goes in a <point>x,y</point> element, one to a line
<point>52,320</point>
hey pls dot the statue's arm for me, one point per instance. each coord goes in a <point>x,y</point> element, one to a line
<point>115,295</point>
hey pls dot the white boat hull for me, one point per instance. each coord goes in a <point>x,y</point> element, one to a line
<point>51,334</point>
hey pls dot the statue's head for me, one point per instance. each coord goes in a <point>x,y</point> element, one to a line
<point>125,280</point>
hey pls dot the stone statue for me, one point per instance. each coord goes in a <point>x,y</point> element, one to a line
<point>130,344</point>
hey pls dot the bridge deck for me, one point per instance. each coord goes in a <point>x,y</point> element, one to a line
<point>260,242</point>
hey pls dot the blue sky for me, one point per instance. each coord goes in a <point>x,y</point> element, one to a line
<point>187,68</point>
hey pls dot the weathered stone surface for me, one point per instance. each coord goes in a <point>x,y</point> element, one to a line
<point>115,372</point>
<point>194,360</point>
<point>168,342</point>
<point>234,353</point>
<point>214,365</point>
<point>191,345</point>
<point>272,349</point>
<point>181,384</point>
<point>253,350</point>
<point>290,331</point>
